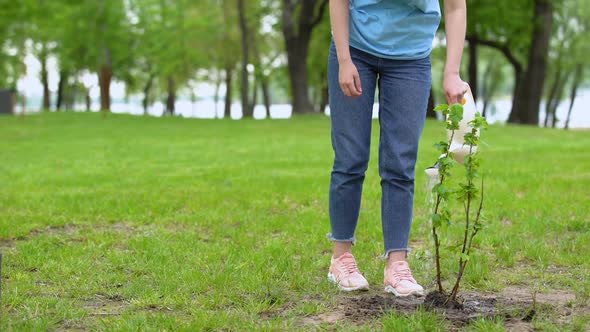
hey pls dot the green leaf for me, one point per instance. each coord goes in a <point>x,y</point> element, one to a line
<point>456,114</point>
<point>447,161</point>
<point>441,107</point>
<point>471,139</point>
<point>452,125</point>
<point>438,188</point>
<point>442,146</point>
<point>441,190</point>
<point>465,257</point>
<point>466,191</point>
<point>479,122</point>
<point>436,219</point>
<point>445,215</point>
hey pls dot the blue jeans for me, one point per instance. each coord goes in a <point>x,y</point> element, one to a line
<point>404,87</point>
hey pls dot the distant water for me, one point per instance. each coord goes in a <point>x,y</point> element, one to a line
<point>207,109</point>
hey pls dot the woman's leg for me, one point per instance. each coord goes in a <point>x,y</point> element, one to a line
<point>404,87</point>
<point>351,138</point>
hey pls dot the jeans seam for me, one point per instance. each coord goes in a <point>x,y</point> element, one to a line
<point>333,239</point>
<point>389,251</point>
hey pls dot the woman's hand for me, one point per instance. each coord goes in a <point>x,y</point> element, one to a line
<point>349,79</point>
<point>348,76</point>
<point>454,88</point>
<point>456,24</point>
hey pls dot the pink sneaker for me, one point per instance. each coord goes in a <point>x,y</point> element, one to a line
<point>399,281</point>
<point>345,273</point>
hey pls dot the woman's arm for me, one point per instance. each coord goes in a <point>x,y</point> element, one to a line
<point>348,76</point>
<point>455,22</point>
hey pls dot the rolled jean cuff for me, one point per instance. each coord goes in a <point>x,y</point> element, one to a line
<point>386,256</point>
<point>333,239</point>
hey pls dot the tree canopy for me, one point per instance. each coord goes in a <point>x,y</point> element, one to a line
<point>265,50</point>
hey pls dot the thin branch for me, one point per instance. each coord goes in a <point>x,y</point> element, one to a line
<point>318,18</point>
<point>463,264</point>
<point>478,216</point>
<point>500,47</point>
<point>468,207</point>
<point>434,233</point>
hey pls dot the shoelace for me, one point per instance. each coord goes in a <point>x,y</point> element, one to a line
<point>403,274</point>
<point>350,265</point>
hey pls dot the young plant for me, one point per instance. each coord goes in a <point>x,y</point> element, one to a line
<point>467,191</point>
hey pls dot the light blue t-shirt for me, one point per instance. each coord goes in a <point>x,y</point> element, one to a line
<point>394,29</point>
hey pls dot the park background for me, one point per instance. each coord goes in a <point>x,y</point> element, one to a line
<point>118,222</point>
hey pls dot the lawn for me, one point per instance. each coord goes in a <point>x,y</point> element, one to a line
<point>140,223</point>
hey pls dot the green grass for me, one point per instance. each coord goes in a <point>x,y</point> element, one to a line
<point>140,223</point>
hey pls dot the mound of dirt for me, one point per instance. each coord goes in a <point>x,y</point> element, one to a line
<point>517,306</point>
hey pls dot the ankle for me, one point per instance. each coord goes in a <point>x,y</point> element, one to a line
<point>341,248</point>
<point>394,257</point>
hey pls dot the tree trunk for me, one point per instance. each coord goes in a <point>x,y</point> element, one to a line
<point>146,94</point>
<point>70,94</point>
<point>430,113</point>
<point>578,75</point>
<point>324,98</point>
<point>63,78</point>
<point>254,98</point>
<point>552,94</point>
<point>514,116</point>
<point>244,88</point>
<point>171,99</point>
<point>265,93</point>
<point>104,80</point>
<point>45,79</point>
<point>228,91</point>
<point>484,108</point>
<point>88,100</point>
<point>486,85</point>
<point>473,77</point>
<point>297,38</point>
<point>559,90</point>
<point>260,79</point>
<point>217,87</point>
<point>23,103</point>
<point>507,52</point>
<point>193,99</point>
<point>297,63</point>
<point>527,100</point>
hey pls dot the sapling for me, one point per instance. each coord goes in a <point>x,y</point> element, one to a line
<point>467,192</point>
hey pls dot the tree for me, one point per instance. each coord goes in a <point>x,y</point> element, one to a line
<point>522,36</point>
<point>225,53</point>
<point>299,18</point>
<point>491,81</point>
<point>246,39</point>
<point>266,50</point>
<point>172,37</point>
<point>98,39</point>
<point>489,24</point>
<point>37,28</point>
<point>529,87</point>
<point>13,18</point>
<point>568,57</point>
<point>318,65</point>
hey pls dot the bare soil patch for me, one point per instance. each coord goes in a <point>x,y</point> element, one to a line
<point>517,306</point>
<point>105,305</point>
<point>6,244</point>
<point>68,229</point>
